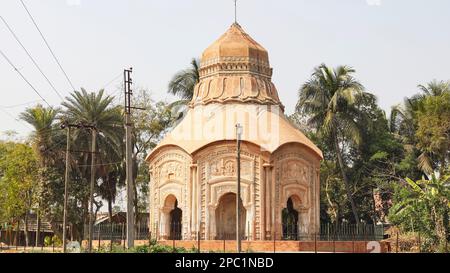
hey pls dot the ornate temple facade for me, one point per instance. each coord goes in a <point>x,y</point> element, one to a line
<point>194,169</point>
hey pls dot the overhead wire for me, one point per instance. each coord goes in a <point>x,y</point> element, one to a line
<point>31,58</point>
<point>24,78</point>
<point>48,46</point>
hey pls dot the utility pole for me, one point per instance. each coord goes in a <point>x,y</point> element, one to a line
<point>66,126</point>
<point>238,195</point>
<point>129,160</point>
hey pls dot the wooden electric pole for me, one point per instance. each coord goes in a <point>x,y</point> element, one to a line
<point>66,126</point>
<point>91,190</point>
<point>129,160</point>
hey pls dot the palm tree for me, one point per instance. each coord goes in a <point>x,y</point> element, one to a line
<point>43,121</point>
<point>328,99</point>
<point>183,83</point>
<point>97,110</point>
<point>404,118</point>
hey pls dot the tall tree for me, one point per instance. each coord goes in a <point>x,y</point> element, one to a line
<point>43,121</point>
<point>150,126</point>
<point>19,169</point>
<point>98,110</point>
<point>433,133</point>
<point>405,120</point>
<point>328,100</point>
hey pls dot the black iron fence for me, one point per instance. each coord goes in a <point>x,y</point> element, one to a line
<point>337,232</point>
<point>327,232</point>
<point>116,231</point>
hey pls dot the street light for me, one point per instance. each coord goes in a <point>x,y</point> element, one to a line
<point>239,130</point>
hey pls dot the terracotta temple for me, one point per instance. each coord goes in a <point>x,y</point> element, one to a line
<point>193,169</point>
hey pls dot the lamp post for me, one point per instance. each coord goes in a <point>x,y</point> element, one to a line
<point>238,195</point>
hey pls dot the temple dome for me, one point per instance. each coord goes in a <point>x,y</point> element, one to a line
<point>235,43</point>
<point>235,68</point>
<point>235,87</point>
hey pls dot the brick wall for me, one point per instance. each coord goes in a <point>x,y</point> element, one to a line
<point>267,246</point>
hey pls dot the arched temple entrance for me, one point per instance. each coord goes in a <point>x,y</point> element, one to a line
<point>175,223</point>
<point>290,221</point>
<point>226,218</point>
<point>172,218</point>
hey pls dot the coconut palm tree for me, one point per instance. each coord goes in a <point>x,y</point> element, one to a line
<point>328,99</point>
<point>43,121</point>
<point>404,118</point>
<point>183,83</point>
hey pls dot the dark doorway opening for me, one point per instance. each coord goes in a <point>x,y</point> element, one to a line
<point>290,221</point>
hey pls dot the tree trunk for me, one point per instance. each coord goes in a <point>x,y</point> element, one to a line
<point>345,178</point>
<point>38,228</point>
<point>110,214</point>
<point>26,228</point>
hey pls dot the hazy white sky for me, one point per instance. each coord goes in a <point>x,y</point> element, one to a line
<point>393,44</point>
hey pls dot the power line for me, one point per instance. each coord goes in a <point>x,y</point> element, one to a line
<point>31,58</point>
<point>113,80</point>
<point>19,105</point>
<point>48,46</point>
<point>25,79</point>
<point>16,119</point>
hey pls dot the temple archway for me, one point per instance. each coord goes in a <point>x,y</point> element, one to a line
<point>290,221</point>
<point>176,216</point>
<point>173,216</point>
<point>226,218</point>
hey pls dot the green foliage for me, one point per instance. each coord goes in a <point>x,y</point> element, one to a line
<point>19,173</point>
<point>52,241</point>
<point>433,132</point>
<point>182,83</point>
<point>152,248</point>
<point>329,99</point>
<point>424,206</point>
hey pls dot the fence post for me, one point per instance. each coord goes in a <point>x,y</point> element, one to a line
<point>99,239</point>
<point>315,242</point>
<point>174,235</point>
<point>53,245</point>
<point>149,237</point>
<point>111,231</point>
<point>139,231</point>
<point>123,235</point>
<point>198,241</point>
<point>353,243</point>
<point>334,242</point>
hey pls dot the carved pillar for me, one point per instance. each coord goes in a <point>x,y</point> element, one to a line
<point>266,203</point>
<point>248,222</point>
<point>317,203</point>
<point>207,202</point>
<point>165,222</point>
<point>212,222</point>
<point>151,216</point>
<point>193,201</point>
<point>303,221</point>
